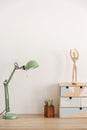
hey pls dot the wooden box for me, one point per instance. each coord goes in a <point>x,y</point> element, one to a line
<point>72,100</point>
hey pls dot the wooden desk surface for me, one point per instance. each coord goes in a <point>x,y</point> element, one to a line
<point>38,122</point>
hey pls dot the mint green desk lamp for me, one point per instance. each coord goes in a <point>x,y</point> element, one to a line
<point>30,65</point>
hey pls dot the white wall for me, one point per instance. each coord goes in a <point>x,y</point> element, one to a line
<point>43,30</point>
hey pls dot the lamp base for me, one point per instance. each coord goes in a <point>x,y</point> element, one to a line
<point>10,116</point>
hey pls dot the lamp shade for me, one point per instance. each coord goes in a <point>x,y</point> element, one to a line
<point>31,65</point>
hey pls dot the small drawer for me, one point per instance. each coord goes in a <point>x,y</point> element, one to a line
<point>73,112</point>
<point>73,91</point>
<point>69,102</point>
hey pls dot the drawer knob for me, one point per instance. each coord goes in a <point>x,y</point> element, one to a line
<point>70,97</point>
<point>67,87</point>
<point>80,86</point>
<point>80,108</point>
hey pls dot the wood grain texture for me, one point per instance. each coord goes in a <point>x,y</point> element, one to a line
<point>39,122</point>
<point>70,84</point>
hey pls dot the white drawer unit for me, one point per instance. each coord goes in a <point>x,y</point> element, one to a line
<point>72,100</point>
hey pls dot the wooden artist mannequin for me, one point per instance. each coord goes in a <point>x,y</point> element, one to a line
<point>74,56</point>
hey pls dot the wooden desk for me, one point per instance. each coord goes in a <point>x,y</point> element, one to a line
<point>38,122</point>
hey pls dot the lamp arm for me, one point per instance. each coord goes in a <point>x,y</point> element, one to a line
<point>10,76</point>
<point>6,82</point>
<point>7,108</point>
<point>15,68</point>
